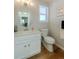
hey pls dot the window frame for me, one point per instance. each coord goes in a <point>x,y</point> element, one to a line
<point>46,15</point>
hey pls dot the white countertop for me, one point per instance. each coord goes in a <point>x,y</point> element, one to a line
<point>21,33</point>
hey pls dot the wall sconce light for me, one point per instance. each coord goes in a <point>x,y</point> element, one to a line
<point>32,4</point>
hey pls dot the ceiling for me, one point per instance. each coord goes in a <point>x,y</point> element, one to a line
<point>45,1</point>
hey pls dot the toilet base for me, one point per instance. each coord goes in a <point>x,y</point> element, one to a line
<point>49,47</point>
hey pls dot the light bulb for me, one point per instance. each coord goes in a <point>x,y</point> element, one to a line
<point>32,4</point>
<point>28,1</point>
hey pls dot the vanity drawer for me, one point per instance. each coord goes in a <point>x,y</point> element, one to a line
<point>26,39</point>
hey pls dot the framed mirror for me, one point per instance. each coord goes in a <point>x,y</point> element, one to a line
<point>24,18</point>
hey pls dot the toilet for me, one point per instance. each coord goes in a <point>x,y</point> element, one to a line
<point>47,40</point>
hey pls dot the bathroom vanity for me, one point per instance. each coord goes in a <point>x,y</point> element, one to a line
<point>27,44</point>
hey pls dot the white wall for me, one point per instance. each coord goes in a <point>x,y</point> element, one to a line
<point>55,21</point>
<point>34,15</point>
<point>33,11</point>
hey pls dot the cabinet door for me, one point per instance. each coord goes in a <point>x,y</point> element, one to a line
<point>35,46</point>
<point>21,51</point>
<point>27,46</point>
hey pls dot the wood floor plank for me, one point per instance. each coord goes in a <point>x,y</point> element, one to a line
<point>57,54</point>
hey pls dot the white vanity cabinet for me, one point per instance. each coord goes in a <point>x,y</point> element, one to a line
<point>27,45</point>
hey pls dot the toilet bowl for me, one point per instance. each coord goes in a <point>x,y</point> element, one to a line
<point>47,40</point>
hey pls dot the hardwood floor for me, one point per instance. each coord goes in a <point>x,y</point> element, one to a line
<point>57,54</point>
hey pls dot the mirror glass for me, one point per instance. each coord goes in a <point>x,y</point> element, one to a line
<point>24,18</point>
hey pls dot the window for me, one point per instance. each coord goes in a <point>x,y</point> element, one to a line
<point>43,13</point>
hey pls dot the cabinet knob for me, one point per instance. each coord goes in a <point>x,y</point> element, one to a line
<point>29,45</point>
<point>25,46</point>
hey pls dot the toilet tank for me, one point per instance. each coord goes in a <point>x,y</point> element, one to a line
<point>44,32</point>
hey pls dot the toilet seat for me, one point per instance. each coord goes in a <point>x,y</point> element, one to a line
<point>49,40</point>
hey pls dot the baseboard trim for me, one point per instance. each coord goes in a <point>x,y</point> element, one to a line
<point>60,46</point>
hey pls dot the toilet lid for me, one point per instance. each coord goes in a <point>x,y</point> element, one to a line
<point>49,40</point>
